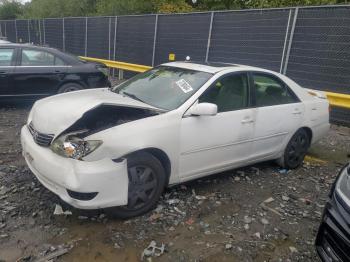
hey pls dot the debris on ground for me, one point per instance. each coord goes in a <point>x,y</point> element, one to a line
<point>153,250</point>
<point>59,211</point>
<point>255,213</point>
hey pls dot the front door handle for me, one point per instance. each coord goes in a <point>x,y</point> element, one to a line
<point>247,120</point>
<point>3,72</point>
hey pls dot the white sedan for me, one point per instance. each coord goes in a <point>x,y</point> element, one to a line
<point>121,147</point>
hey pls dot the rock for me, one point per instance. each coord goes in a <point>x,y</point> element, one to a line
<point>173,201</point>
<point>293,249</point>
<point>246,226</point>
<point>228,246</point>
<point>237,178</point>
<point>285,198</point>
<point>247,220</point>
<point>269,200</point>
<point>257,235</point>
<point>264,221</point>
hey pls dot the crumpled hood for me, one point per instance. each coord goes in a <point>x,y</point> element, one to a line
<point>54,114</point>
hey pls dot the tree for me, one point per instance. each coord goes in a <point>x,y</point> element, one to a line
<point>10,9</point>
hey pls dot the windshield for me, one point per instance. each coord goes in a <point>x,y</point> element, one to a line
<point>164,87</point>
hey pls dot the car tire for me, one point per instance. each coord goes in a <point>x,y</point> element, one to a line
<point>69,87</point>
<point>295,150</point>
<point>147,180</point>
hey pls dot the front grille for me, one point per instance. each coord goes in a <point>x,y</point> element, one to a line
<point>40,138</point>
<point>335,245</point>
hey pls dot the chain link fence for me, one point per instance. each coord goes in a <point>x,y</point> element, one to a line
<point>310,44</point>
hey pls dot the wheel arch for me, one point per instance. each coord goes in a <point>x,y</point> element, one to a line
<point>308,130</point>
<point>161,156</point>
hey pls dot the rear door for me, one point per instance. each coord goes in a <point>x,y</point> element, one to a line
<point>279,113</point>
<point>7,62</point>
<point>38,72</point>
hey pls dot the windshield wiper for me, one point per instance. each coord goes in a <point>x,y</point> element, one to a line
<point>133,96</point>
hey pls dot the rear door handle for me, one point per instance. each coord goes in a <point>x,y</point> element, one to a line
<point>3,72</point>
<point>296,112</point>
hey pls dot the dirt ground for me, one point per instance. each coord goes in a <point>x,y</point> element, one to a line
<point>258,213</point>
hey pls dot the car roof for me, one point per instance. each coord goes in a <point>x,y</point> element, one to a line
<point>213,67</point>
<point>66,56</point>
<point>9,44</point>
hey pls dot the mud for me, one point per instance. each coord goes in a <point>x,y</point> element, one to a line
<point>219,218</point>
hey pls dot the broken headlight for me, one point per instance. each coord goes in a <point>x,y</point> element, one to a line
<point>74,147</point>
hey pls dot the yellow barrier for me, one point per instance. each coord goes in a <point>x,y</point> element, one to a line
<point>119,65</point>
<point>335,99</point>
<point>339,100</point>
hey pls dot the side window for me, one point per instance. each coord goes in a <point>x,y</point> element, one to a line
<point>228,93</point>
<point>269,91</point>
<point>59,61</point>
<point>6,56</point>
<point>37,58</point>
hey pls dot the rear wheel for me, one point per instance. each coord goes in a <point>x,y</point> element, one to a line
<point>146,183</point>
<point>296,150</point>
<point>69,87</point>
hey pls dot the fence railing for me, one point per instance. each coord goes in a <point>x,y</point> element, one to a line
<point>309,44</point>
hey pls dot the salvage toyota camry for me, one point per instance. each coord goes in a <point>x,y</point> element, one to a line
<point>120,147</point>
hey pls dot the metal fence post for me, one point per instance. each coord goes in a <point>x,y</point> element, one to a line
<point>114,42</point>
<point>86,34</point>
<point>16,30</point>
<point>115,38</point>
<point>285,40</point>
<point>40,32</point>
<point>109,38</point>
<point>209,36</point>
<point>155,40</point>
<point>290,40</point>
<point>1,28</point>
<point>44,34</point>
<point>63,36</point>
<point>28,29</point>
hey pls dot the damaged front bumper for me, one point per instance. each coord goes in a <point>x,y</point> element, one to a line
<point>82,184</point>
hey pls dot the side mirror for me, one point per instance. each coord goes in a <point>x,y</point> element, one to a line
<point>204,109</point>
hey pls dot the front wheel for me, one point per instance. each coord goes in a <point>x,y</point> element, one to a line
<point>69,87</point>
<point>146,183</point>
<point>296,150</point>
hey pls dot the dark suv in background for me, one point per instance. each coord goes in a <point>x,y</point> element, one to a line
<point>333,238</point>
<point>28,71</point>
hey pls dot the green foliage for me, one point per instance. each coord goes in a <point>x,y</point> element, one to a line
<point>123,7</point>
<point>10,9</point>
<point>59,8</point>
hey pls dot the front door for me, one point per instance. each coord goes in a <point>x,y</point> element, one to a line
<point>213,143</point>
<point>38,73</point>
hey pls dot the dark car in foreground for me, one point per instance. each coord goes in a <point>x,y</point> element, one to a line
<point>28,71</point>
<point>333,238</point>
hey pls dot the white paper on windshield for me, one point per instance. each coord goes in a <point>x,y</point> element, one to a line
<point>185,87</point>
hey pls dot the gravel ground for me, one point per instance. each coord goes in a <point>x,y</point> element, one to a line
<point>258,213</point>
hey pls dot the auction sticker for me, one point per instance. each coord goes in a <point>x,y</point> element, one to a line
<point>185,87</point>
